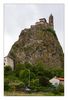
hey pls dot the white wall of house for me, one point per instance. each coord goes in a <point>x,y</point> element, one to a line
<point>54,81</point>
<point>8,62</point>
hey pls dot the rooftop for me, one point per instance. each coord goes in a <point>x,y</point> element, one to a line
<point>61,79</point>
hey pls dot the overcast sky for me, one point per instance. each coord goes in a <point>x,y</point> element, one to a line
<point>20,16</point>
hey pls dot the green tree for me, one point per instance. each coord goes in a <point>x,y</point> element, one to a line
<point>28,65</point>
<point>38,68</point>
<point>25,76</point>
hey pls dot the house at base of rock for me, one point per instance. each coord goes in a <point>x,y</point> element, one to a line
<point>61,80</point>
<point>9,62</point>
<point>56,81</point>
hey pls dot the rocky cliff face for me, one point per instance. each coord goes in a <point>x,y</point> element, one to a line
<point>38,43</point>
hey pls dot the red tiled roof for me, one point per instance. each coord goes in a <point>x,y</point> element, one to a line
<point>61,79</point>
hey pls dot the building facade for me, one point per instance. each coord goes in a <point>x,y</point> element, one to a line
<point>9,62</point>
<point>56,81</point>
<point>49,24</point>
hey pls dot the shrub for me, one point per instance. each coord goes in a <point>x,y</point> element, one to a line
<point>51,72</point>
<point>7,70</point>
<point>12,83</point>
<point>34,84</point>
<point>59,89</point>
<point>16,85</point>
<point>6,84</point>
<point>44,81</point>
<point>20,86</point>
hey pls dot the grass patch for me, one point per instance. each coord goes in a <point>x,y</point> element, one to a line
<point>31,94</point>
